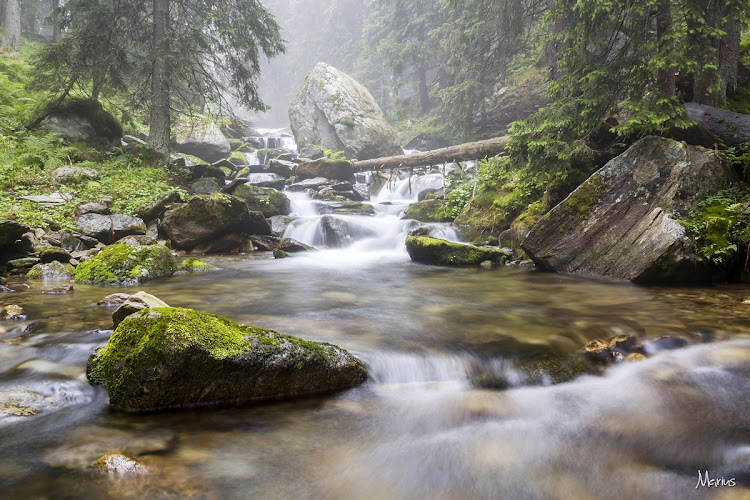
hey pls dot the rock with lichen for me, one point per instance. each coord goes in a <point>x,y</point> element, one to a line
<point>126,265</point>
<point>622,222</point>
<point>168,358</point>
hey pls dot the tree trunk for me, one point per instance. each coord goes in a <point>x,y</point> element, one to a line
<point>424,96</point>
<point>55,7</point>
<point>462,152</point>
<point>666,77</point>
<point>159,123</point>
<point>12,27</point>
<point>729,58</point>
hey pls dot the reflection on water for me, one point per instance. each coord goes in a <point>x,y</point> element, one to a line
<point>418,428</point>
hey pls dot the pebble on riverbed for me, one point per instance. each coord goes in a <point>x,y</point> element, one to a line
<point>12,313</point>
<point>59,290</point>
<point>117,465</point>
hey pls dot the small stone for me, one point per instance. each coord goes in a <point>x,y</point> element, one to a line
<point>24,263</point>
<point>279,254</point>
<point>115,299</point>
<point>635,356</point>
<point>5,289</point>
<point>59,290</point>
<point>92,208</point>
<point>12,313</point>
<point>73,175</point>
<point>746,302</point>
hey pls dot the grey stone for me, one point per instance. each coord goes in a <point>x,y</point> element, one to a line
<point>134,303</point>
<point>72,175</point>
<point>110,228</point>
<point>200,136</point>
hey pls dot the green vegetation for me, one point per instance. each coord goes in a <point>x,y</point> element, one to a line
<point>721,228</point>
<point>193,265</point>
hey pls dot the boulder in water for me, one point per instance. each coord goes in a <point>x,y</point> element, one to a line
<point>265,200</point>
<point>428,250</point>
<point>193,265</point>
<point>51,271</point>
<point>427,211</point>
<point>340,170</point>
<point>134,303</point>
<point>126,265</point>
<point>336,112</point>
<point>206,217</point>
<point>622,222</point>
<point>168,358</point>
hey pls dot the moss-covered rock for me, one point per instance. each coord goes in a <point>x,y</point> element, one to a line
<point>51,271</point>
<point>85,120</point>
<point>237,158</point>
<point>207,217</point>
<point>428,250</point>
<point>427,211</point>
<point>153,208</point>
<point>193,265</point>
<point>340,170</point>
<point>265,200</point>
<point>50,254</point>
<point>170,358</point>
<point>265,155</point>
<point>124,265</point>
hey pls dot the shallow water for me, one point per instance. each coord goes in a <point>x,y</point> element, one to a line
<point>418,428</point>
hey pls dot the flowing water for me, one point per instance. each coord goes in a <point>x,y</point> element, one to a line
<point>418,428</point>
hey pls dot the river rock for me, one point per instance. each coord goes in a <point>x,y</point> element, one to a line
<point>205,185</point>
<point>427,211</point>
<point>229,243</point>
<point>73,175</point>
<point>428,250</point>
<point>193,265</point>
<point>134,303</point>
<point>169,358</point>
<point>110,228</point>
<point>284,168</point>
<point>314,183</point>
<point>291,245</point>
<point>340,170</point>
<point>267,201</point>
<point>138,240</point>
<point>23,263</point>
<point>206,217</point>
<point>112,300</point>
<point>52,271</point>
<point>12,312</point>
<point>279,224</point>
<point>127,265</point>
<point>54,253</point>
<point>191,173</point>
<point>200,136</point>
<point>337,232</point>
<point>622,222</point>
<point>336,112</point>
<point>59,290</point>
<point>153,208</point>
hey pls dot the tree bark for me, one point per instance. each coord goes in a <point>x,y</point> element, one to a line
<point>462,152</point>
<point>667,80</point>
<point>12,27</point>
<point>729,58</point>
<point>159,123</point>
<point>55,6</point>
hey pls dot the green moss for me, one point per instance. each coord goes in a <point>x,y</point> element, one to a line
<point>259,199</point>
<point>193,265</point>
<point>124,264</point>
<point>740,101</point>
<point>238,158</point>
<point>427,211</point>
<point>104,123</point>
<point>580,201</point>
<point>348,121</point>
<point>428,250</point>
<point>266,154</point>
<point>52,269</point>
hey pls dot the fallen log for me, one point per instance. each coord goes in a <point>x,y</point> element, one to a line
<point>462,152</point>
<point>732,128</point>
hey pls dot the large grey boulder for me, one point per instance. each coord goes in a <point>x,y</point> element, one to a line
<point>110,228</point>
<point>208,217</point>
<point>84,120</point>
<point>168,358</point>
<point>336,112</point>
<point>265,200</point>
<point>200,136</point>
<point>622,222</point>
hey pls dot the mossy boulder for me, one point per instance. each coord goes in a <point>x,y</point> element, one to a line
<point>50,254</point>
<point>193,265</point>
<point>207,217</point>
<point>153,208</point>
<point>135,303</point>
<point>340,170</point>
<point>125,265</point>
<point>623,221</point>
<point>84,120</point>
<point>169,358</point>
<point>51,271</point>
<point>427,211</point>
<point>237,158</point>
<point>200,136</point>
<point>428,250</point>
<point>265,200</point>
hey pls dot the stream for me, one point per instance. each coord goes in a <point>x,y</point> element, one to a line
<point>418,428</point>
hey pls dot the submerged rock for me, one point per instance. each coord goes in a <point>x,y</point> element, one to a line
<point>205,218</point>
<point>12,312</point>
<point>622,222</point>
<point>125,265</point>
<point>428,250</point>
<point>336,112</point>
<point>169,358</point>
<point>112,300</point>
<point>117,465</point>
